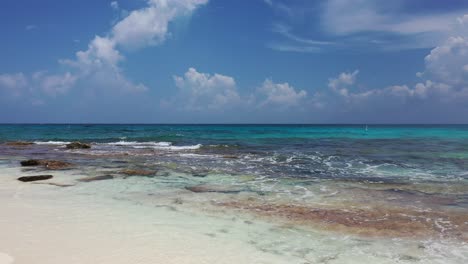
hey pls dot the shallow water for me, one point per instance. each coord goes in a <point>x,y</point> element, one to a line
<point>310,194</point>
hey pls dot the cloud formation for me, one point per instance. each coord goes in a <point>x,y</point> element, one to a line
<point>280,94</point>
<point>201,91</point>
<point>144,27</point>
<point>341,83</point>
<point>99,64</point>
<point>348,24</point>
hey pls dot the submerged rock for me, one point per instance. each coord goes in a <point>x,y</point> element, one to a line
<point>57,165</point>
<point>35,178</point>
<point>230,157</point>
<point>48,164</point>
<point>19,143</point>
<point>137,172</point>
<point>78,145</point>
<point>97,178</point>
<point>30,162</point>
<point>208,188</point>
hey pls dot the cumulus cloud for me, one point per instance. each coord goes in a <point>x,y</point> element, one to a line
<point>204,91</point>
<point>448,62</point>
<point>143,27</point>
<point>149,25</point>
<point>200,91</point>
<point>20,84</point>
<point>99,64</point>
<point>280,94</point>
<point>342,83</point>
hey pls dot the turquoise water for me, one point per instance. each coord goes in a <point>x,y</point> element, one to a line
<point>385,152</point>
<point>228,133</point>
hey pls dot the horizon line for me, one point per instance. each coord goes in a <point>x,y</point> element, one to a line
<point>197,124</point>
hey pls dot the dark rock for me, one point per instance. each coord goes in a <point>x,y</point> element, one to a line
<point>19,143</point>
<point>137,172</point>
<point>199,174</point>
<point>30,162</point>
<point>78,145</point>
<point>230,157</point>
<point>49,164</point>
<point>97,178</point>
<point>35,178</point>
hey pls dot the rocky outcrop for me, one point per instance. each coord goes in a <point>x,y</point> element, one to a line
<point>78,145</point>
<point>30,162</point>
<point>48,164</point>
<point>35,178</point>
<point>19,143</point>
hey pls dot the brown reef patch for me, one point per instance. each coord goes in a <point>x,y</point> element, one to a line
<point>19,143</point>
<point>137,172</point>
<point>48,164</point>
<point>369,222</point>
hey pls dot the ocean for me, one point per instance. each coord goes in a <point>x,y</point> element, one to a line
<point>328,193</point>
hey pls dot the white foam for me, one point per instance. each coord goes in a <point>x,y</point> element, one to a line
<point>154,145</point>
<point>134,143</point>
<point>51,142</point>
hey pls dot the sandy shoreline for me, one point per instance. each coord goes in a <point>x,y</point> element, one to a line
<point>43,225</point>
<point>156,220</point>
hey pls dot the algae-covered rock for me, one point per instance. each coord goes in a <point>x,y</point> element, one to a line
<point>78,145</point>
<point>35,178</point>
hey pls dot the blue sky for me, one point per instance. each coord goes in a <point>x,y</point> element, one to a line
<point>219,61</point>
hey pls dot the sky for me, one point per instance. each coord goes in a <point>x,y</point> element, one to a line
<point>223,61</point>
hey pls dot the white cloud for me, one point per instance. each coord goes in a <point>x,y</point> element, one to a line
<point>143,27</point>
<point>448,62</point>
<point>377,24</point>
<point>200,91</point>
<point>294,48</point>
<point>342,83</point>
<point>149,25</point>
<point>101,53</point>
<point>286,32</point>
<point>114,5</point>
<point>56,84</point>
<point>280,94</point>
<point>98,65</point>
<point>344,17</point>
<point>13,83</point>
